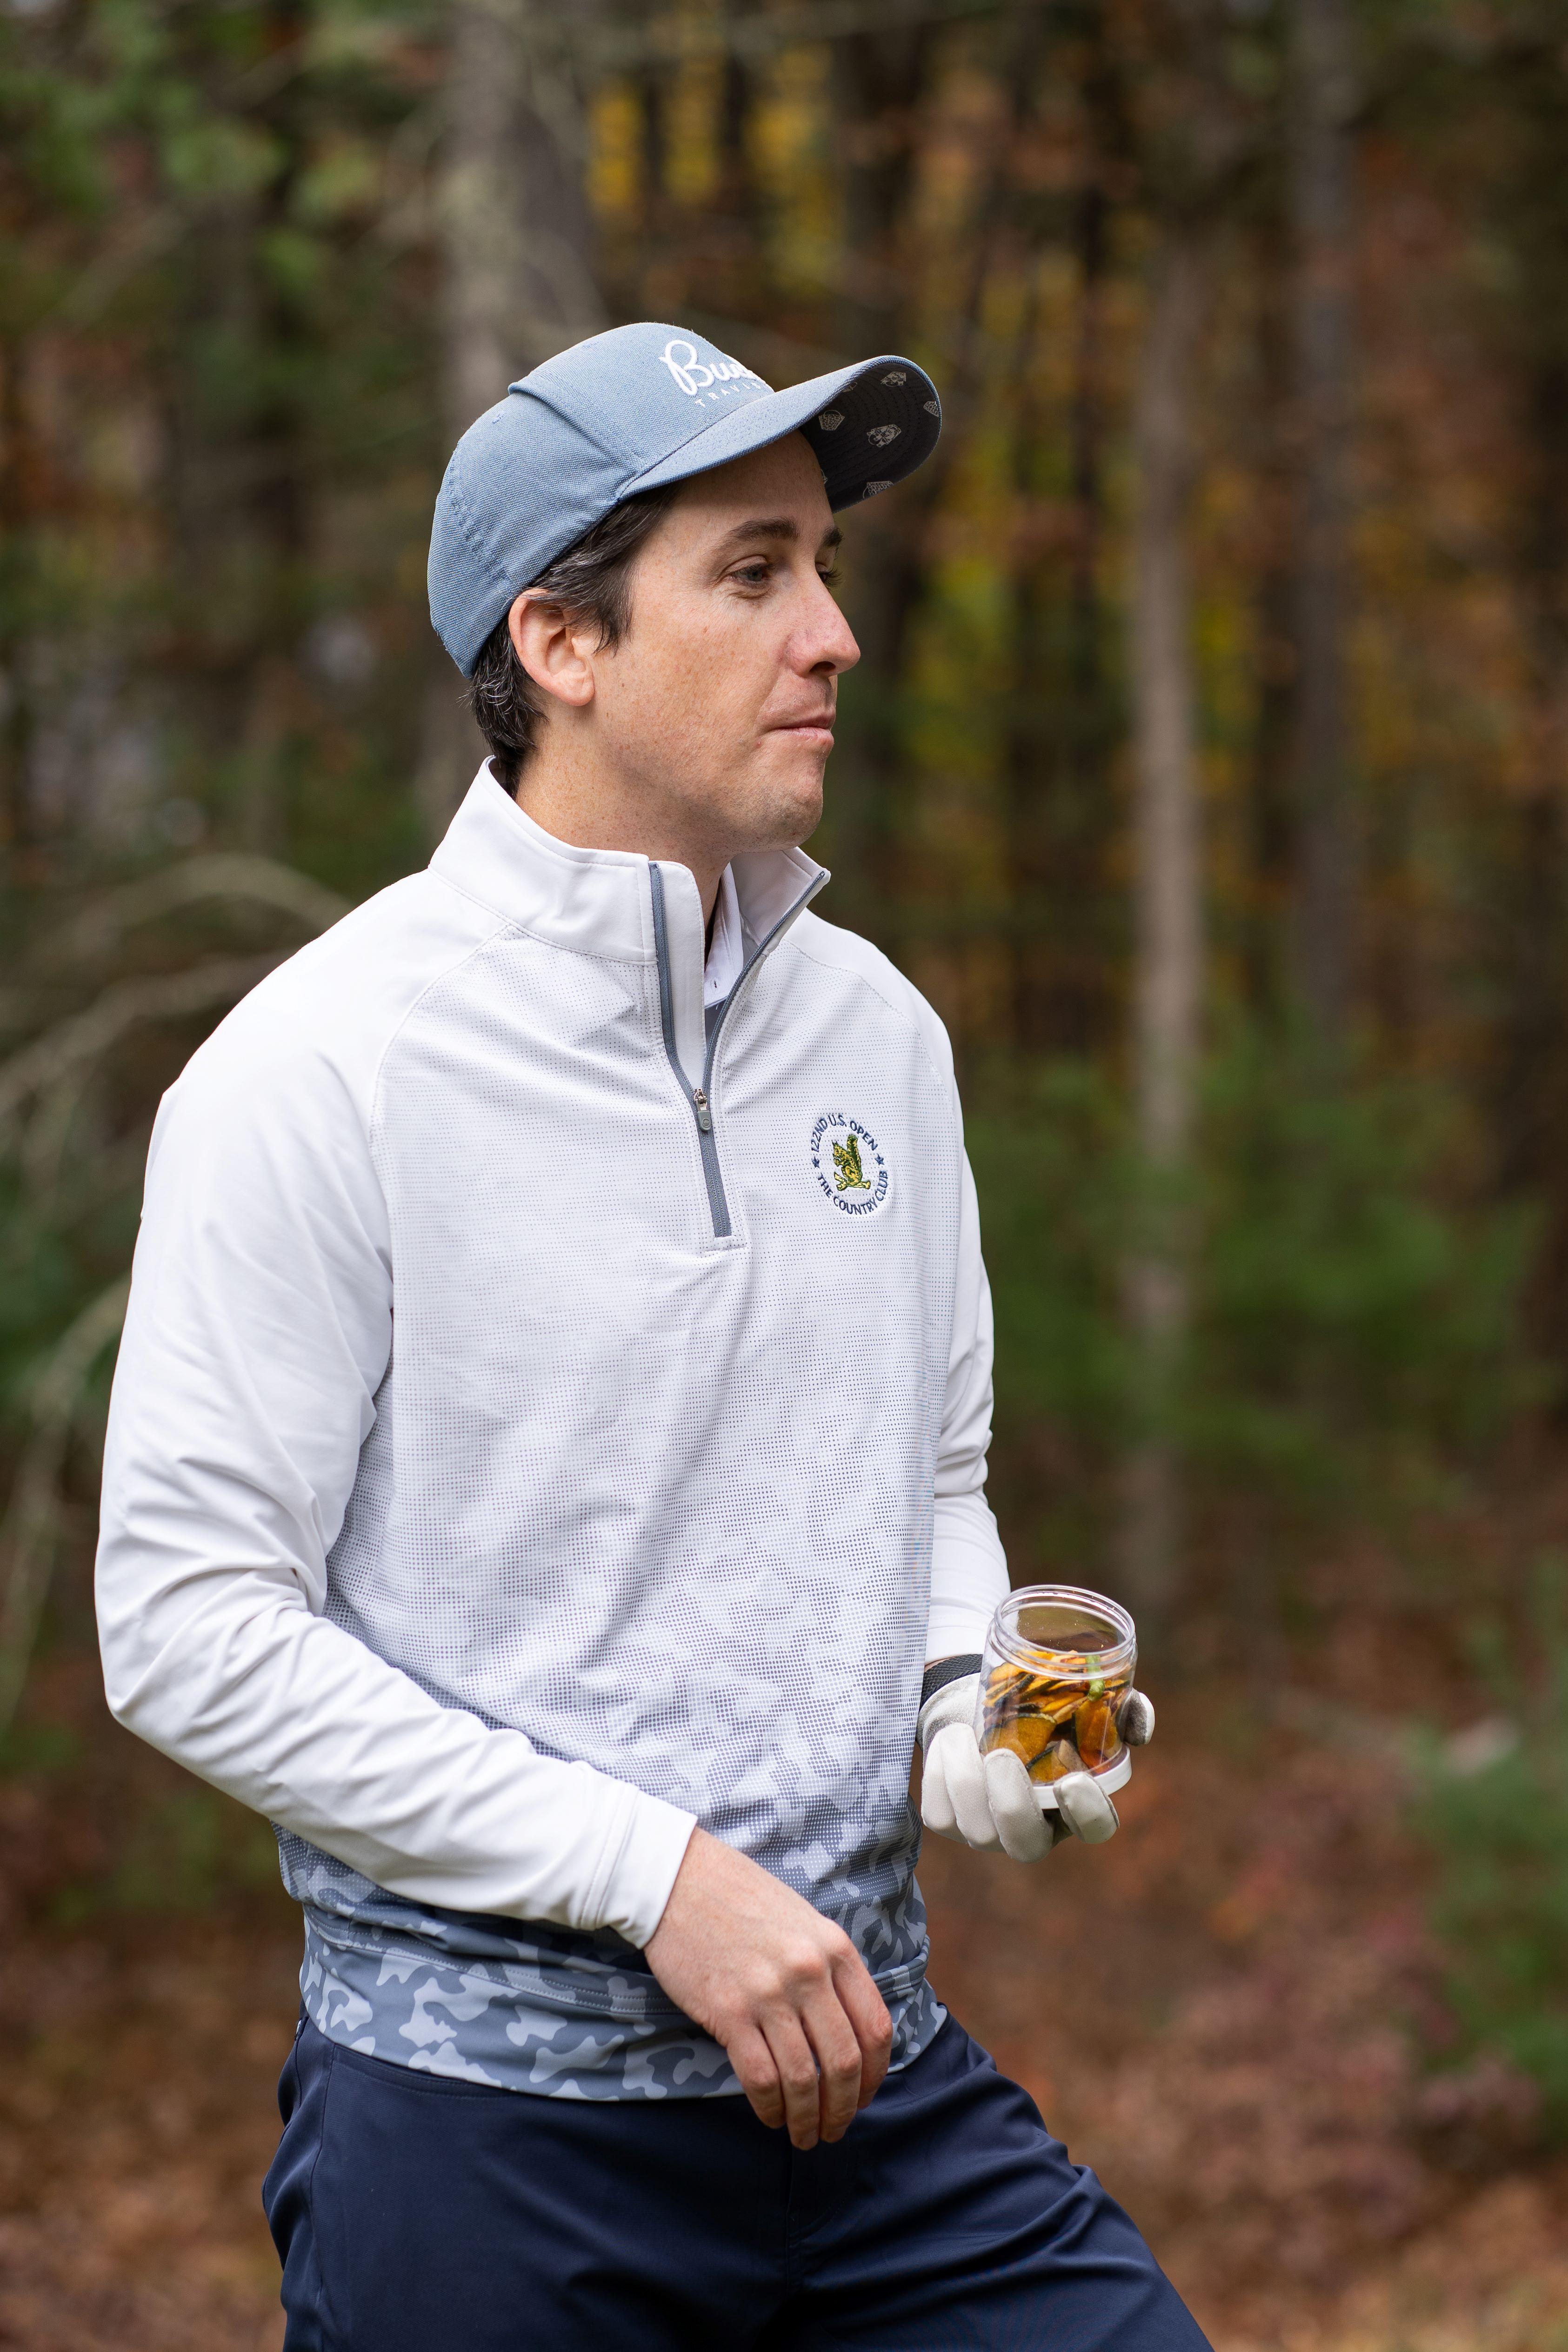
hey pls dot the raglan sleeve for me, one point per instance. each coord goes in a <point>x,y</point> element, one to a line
<point>968,1567</point>
<point>258,1331</point>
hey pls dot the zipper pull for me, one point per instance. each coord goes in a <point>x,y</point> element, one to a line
<point>705,1115</point>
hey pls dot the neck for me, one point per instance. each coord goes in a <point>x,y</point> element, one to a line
<point>581,803</point>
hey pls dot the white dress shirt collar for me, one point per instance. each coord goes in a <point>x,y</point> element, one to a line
<point>726,952</point>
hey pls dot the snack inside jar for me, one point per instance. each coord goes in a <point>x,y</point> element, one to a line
<point>1057,1665</point>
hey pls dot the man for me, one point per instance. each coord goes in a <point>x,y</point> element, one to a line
<point>548,1444</point>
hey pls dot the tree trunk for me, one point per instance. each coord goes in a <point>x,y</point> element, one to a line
<point>1528,1071</point>
<point>1524,899</point>
<point>1320,205</point>
<point>1061,722</point>
<point>17,826</point>
<point>1167,904</point>
<point>1268,841</point>
<point>516,238</point>
<point>516,255</point>
<point>279,514</point>
<point>879,80</point>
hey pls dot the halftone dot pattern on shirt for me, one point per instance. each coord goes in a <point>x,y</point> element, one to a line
<point>658,1500</point>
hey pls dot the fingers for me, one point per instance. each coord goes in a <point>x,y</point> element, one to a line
<point>823,2048</point>
<point>798,2082</point>
<point>752,2060</point>
<point>1086,1809</point>
<point>989,1802</point>
<point>836,2048</point>
<point>782,1989</point>
<point>935,1805</point>
<point>1136,1719</point>
<point>1025,1832</point>
<point>872,2028</point>
<point>966,1783</point>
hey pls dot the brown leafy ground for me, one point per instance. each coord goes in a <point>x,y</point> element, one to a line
<point>1221,2012</point>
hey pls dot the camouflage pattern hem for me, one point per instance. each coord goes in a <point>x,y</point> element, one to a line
<point>389,1998</point>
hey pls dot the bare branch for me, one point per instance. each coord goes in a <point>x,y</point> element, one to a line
<point>30,1532</point>
<point>60,1058</point>
<point>259,881</point>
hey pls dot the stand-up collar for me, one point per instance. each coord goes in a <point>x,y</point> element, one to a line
<point>596,901</point>
<point>593,901</point>
<point>727,945</point>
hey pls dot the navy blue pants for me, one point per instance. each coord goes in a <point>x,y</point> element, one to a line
<point>415,2214</point>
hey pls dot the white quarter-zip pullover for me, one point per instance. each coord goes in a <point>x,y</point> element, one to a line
<point>551,1412</point>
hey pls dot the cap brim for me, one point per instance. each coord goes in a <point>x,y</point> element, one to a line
<point>869,426</point>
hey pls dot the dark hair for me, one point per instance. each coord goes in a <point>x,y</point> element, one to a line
<point>591,582</point>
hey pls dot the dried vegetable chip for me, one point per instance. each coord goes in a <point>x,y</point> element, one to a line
<point>1057,1722</point>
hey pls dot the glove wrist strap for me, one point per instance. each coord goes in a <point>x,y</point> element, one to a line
<point>948,1670</point>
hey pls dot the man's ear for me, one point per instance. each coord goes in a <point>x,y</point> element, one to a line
<point>556,651</point>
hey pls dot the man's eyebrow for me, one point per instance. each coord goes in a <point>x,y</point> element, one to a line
<point>781,527</point>
<point>761,526</point>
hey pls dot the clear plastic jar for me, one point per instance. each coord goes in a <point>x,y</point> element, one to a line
<point>1058,1663</point>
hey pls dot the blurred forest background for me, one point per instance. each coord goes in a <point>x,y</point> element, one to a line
<point>1208,766</point>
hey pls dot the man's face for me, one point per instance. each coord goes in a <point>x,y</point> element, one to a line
<point>720,700</point>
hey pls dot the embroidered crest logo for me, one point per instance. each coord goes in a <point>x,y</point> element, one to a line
<point>847,1161</point>
<point>850,1167</point>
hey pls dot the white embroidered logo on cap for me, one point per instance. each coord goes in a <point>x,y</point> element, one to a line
<point>895,375</point>
<point>882,436</point>
<point>872,489</point>
<point>932,407</point>
<point>695,376</point>
<point>830,420</point>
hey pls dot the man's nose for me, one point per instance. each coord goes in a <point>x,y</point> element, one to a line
<point>829,642</point>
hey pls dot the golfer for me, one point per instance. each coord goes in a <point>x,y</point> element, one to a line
<point>548,1454</point>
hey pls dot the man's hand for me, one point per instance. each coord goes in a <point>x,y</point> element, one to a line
<point>990,1801</point>
<point>780,1987</point>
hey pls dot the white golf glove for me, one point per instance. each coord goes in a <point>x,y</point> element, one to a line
<point>990,1801</point>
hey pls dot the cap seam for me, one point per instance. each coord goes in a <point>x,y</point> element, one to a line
<point>617,456</point>
<point>468,524</point>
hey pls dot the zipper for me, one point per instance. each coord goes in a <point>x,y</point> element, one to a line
<point>702,1110</point>
<point>698,1096</point>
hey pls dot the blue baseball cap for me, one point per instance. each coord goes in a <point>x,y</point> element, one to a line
<point>631,410</point>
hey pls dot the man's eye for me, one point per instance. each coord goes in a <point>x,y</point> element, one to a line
<point>831,577</point>
<point>753,575</point>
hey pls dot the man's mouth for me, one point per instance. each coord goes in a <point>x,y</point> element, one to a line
<point>819,722</point>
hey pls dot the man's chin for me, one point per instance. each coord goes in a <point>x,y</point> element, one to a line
<point>786,799</point>
<point>799,820</point>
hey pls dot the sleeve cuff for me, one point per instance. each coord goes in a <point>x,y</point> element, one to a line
<point>966,1584</point>
<point>643,1852</point>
